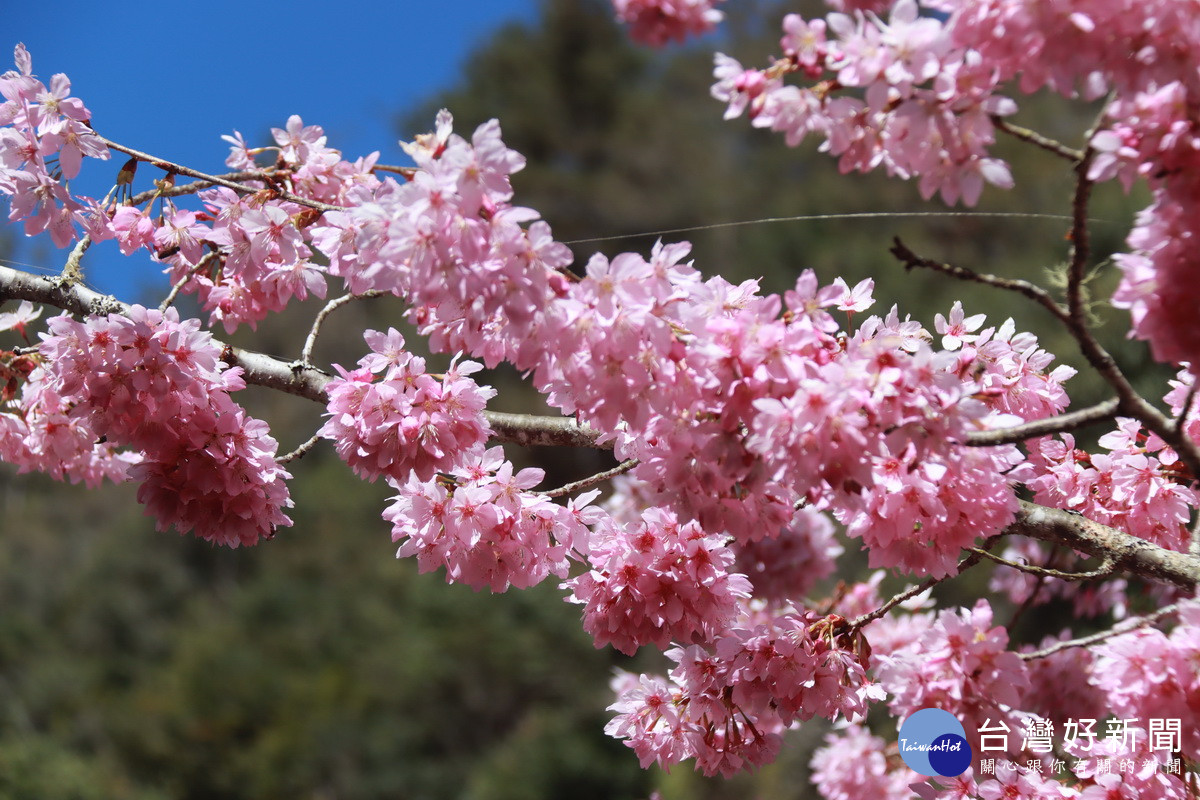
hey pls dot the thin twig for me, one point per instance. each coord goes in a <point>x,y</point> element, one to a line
<point>1116,630</point>
<point>323,314</point>
<point>201,265</point>
<point>1039,295</point>
<point>407,172</point>
<point>1033,137</point>
<point>301,450</point>
<point>214,179</point>
<point>1105,568</point>
<point>72,271</point>
<point>585,483</point>
<point>1063,423</point>
<point>923,586</point>
<point>197,186</point>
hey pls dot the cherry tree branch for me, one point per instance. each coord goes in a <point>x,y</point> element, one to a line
<point>200,185</point>
<point>1035,138</point>
<point>260,369</point>
<point>300,451</point>
<point>1124,626</point>
<point>204,263</point>
<point>591,480</point>
<point>924,586</point>
<point>1128,553</point>
<point>1105,569</point>
<point>215,180</point>
<point>323,314</point>
<point>1063,423</point>
<point>1030,290</point>
<point>72,271</point>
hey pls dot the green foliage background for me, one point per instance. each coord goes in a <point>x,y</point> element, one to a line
<point>136,664</point>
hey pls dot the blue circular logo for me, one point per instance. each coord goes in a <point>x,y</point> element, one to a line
<point>933,742</point>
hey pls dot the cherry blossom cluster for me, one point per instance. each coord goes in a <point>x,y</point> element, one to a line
<point>1147,674</point>
<point>1138,485</point>
<point>157,385</point>
<point>854,763</point>
<point>755,421</point>
<point>390,417</point>
<point>960,664</point>
<point>264,260</point>
<point>44,136</point>
<point>1151,134</point>
<point>656,22</point>
<point>727,704</point>
<point>903,95</point>
<point>735,431</point>
<point>450,243</point>
<point>785,567</point>
<point>244,255</point>
<point>483,524</point>
<point>656,582</point>
<point>37,430</point>
<point>1011,781</point>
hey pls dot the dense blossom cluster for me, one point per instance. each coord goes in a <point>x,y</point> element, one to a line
<point>481,523</point>
<point>960,664</point>
<point>1147,674</point>
<point>656,582</point>
<point>905,95</point>
<point>727,704</point>
<point>157,385</point>
<point>390,417</point>
<point>786,566</point>
<point>853,764</point>
<point>1137,485</point>
<point>751,423</point>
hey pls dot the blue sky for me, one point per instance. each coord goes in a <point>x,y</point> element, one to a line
<point>171,77</point>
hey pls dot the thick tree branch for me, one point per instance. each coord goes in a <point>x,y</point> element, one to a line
<point>1128,553</point>
<point>260,369</point>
